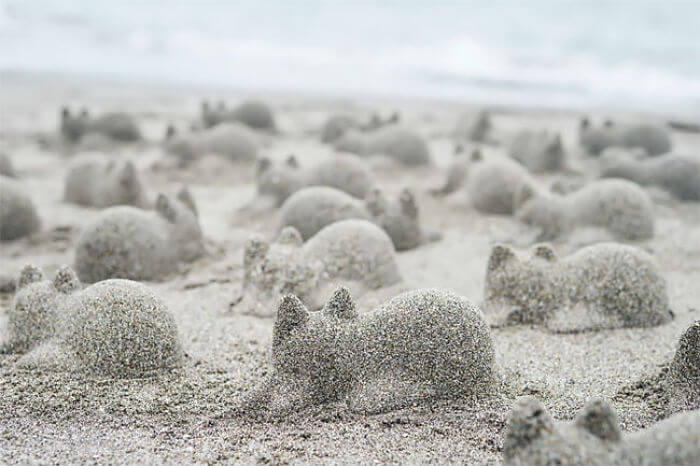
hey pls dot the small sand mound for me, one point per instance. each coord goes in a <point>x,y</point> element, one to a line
<point>119,328</point>
<point>18,216</point>
<point>684,372</point>
<point>6,166</point>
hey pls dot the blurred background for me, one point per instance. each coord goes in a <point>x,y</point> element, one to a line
<point>626,54</point>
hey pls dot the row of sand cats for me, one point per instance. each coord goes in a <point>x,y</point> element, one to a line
<point>329,350</point>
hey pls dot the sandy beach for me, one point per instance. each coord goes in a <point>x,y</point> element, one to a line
<point>54,416</point>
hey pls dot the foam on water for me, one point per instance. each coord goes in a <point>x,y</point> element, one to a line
<point>642,54</point>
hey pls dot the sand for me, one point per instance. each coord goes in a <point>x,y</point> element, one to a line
<point>59,417</point>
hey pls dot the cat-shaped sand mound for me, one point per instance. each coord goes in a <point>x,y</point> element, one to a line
<point>128,242</point>
<point>115,126</point>
<point>399,144</point>
<point>684,371</point>
<point>653,139</point>
<point>418,346</point>
<point>346,172</point>
<point>252,113</point>
<point>621,207</point>
<point>474,127</point>
<point>310,209</point>
<point>355,253</point>
<point>34,315</point>
<point>676,173</point>
<point>595,438</point>
<point>96,181</point>
<point>607,285</point>
<point>231,141</point>
<point>18,215</point>
<point>538,151</point>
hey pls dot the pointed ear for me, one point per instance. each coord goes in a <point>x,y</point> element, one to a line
<point>528,422</point>
<point>545,252</point>
<point>686,364</point>
<point>185,196</point>
<point>292,161</point>
<point>584,123</point>
<point>264,163</point>
<point>165,208</point>
<point>376,202</point>
<point>29,274</point>
<point>255,249</point>
<point>291,314</point>
<point>407,203</point>
<point>599,419</point>
<point>128,176</point>
<point>458,149</point>
<point>523,194</point>
<point>66,281</point>
<point>500,254</point>
<point>65,113</point>
<point>341,305</point>
<point>477,156</point>
<point>290,236</point>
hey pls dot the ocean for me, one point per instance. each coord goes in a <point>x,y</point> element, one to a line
<point>638,54</point>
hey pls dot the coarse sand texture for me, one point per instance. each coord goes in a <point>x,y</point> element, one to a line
<point>420,345</point>
<point>607,285</point>
<point>18,215</point>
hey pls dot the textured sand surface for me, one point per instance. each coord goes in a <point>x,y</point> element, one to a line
<point>52,416</point>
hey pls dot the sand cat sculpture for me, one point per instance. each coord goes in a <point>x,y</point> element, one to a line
<point>252,113</point>
<point>474,127</point>
<point>655,140</point>
<point>355,253</point>
<point>677,174</point>
<point>35,312</point>
<point>420,345</point>
<point>619,206</point>
<point>607,285</point>
<point>115,328</point>
<point>396,142</point>
<point>538,151</point>
<point>115,126</point>
<point>96,181</point>
<point>346,172</point>
<point>18,215</point>
<point>337,125</point>
<point>231,141</point>
<point>128,242</point>
<point>310,209</point>
<point>595,438</point>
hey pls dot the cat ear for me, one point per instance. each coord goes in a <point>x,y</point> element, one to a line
<point>291,236</point>
<point>407,203</point>
<point>170,132</point>
<point>376,202</point>
<point>264,163</point>
<point>255,249</point>
<point>545,252</point>
<point>128,175</point>
<point>458,149</point>
<point>584,123</point>
<point>292,161</point>
<point>523,194</point>
<point>29,274</point>
<point>66,281</point>
<point>599,419</point>
<point>165,208</point>
<point>686,364</point>
<point>500,254</point>
<point>65,113</point>
<point>341,305</point>
<point>185,196</point>
<point>528,422</point>
<point>291,314</point>
<point>477,156</point>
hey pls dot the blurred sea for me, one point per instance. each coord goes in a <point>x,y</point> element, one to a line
<point>639,54</point>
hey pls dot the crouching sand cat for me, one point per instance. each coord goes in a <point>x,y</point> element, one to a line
<point>399,144</point>
<point>96,181</point>
<point>595,438</point>
<point>115,126</point>
<point>606,285</point>
<point>18,215</point>
<point>128,242</point>
<point>619,206</point>
<point>355,253</point>
<point>418,346</point>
